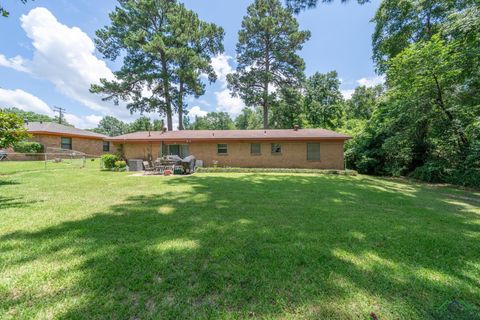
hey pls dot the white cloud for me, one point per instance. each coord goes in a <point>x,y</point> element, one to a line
<point>196,112</point>
<point>66,57</point>
<point>16,63</point>
<point>87,122</point>
<point>23,100</point>
<point>222,67</point>
<point>28,102</point>
<point>227,103</point>
<point>347,94</point>
<point>372,81</point>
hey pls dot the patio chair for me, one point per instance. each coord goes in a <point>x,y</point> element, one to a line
<point>3,155</point>
<point>147,167</point>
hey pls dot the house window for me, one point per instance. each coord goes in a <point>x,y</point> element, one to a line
<point>313,151</point>
<point>66,143</point>
<point>255,149</point>
<point>222,148</point>
<point>276,148</point>
<point>106,146</point>
<point>180,150</point>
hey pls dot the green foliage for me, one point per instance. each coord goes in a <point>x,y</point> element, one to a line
<point>425,124</point>
<point>141,124</point>
<point>288,110</point>
<point>165,49</point>
<point>12,129</point>
<point>5,13</point>
<point>398,24</point>
<point>274,170</point>
<point>299,5</point>
<point>213,121</point>
<point>120,165</point>
<point>323,100</point>
<point>111,126</point>
<point>249,119</point>
<point>28,147</point>
<point>109,161</point>
<point>267,55</point>
<point>33,116</point>
<point>429,172</point>
<point>363,102</point>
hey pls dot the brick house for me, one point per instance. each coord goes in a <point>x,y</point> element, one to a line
<point>57,136</point>
<point>295,148</point>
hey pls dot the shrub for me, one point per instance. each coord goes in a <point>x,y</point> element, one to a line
<point>109,161</point>
<point>429,172</point>
<point>28,147</point>
<point>120,165</point>
<point>366,165</point>
<point>272,170</point>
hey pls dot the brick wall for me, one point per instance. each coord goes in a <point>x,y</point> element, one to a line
<point>92,147</point>
<point>294,154</point>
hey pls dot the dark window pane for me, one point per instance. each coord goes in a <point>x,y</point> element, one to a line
<point>255,148</point>
<point>313,151</point>
<point>184,151</point>
<point>174,150</point>
<point>106,146</point>
<point>66,143</point>
<point>222,148</point>
<point>180,150</point>
<point>276,148</point>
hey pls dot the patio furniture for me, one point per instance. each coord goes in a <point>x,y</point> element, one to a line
<point>188,164</point>
<point>161,168</point>
<point>147,167</point>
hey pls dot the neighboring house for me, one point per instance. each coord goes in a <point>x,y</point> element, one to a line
<point>295,148</point>
<point>57,136</point>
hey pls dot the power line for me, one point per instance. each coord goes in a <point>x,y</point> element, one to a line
<point>60,111</point>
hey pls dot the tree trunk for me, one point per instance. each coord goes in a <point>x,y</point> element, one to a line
<point>166,88</point>
<point>169,120</point>
<point>462,137</point>
<point>265,85</point>
<point>265,115</point>
<point>180,108</point>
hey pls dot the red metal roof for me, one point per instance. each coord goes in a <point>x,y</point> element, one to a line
<point>229,135</point>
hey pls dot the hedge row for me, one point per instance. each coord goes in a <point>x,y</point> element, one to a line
<point>273,170</point>
<point>28,147</point>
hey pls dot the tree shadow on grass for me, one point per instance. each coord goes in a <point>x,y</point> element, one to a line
<point>261,246</point>
<point>12,202</point>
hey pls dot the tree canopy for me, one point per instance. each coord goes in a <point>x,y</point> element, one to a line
<point>267,58</point>
<point>12,129</point>
<point>165,50</point>
<point>213,121</point>
<point>300,5</point>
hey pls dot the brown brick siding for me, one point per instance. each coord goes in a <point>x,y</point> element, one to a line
<point>294,154</point>
<point>92,147</point>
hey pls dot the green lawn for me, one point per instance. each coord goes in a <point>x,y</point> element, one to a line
<point>85,244</point>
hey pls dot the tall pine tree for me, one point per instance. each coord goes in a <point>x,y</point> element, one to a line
<point>157,40</point>
<point>267,55</point>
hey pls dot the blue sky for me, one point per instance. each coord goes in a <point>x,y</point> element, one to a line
<point>47,57</point>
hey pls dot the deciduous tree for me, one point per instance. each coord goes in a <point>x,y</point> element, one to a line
<point>323,100</point>
<point>12,129</point>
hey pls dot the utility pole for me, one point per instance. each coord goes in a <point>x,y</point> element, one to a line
<point>60,111</point>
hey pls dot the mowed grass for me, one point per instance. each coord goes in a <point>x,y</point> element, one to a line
<point>85,244</point>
